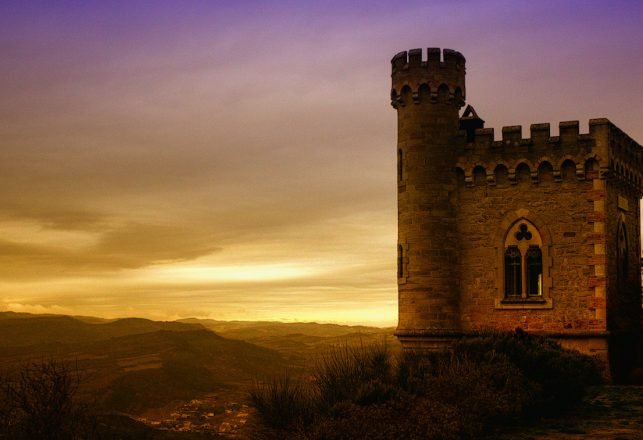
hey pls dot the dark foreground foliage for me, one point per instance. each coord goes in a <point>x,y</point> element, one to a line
<point>39,402</point>
<point>485,381</point>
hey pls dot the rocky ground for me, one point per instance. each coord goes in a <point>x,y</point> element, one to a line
<point>608,413</point>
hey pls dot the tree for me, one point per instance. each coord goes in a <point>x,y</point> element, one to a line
<point>39,402</point>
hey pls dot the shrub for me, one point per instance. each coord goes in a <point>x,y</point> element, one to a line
<point>283,403</point>
<point>39,402</point>
<point>558,376</point>
<point>415,369</point>
<point>359,392</point>
<point>473,394</point>
<point>359,374</point>
<point>484,392</point>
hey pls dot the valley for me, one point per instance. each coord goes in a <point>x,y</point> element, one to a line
<point>173,378</point>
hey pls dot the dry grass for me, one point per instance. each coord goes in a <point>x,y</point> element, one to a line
<point>365,392</point>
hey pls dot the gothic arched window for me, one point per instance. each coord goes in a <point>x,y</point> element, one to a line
<point>523,262</point>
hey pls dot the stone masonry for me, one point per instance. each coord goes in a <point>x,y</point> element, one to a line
<point>463,197</point>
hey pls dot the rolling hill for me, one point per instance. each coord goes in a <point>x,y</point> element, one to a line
<point>132,365</point>
<point>300,342</point>
<point>154,370</point>
<point>24,329</point>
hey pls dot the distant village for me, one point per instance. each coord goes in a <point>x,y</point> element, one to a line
<point>203,415</point>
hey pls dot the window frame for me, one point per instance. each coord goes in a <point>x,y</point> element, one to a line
<point>403,263</point>
<point>529,273</point>
<point>534,235</point>
<point>514,276</point>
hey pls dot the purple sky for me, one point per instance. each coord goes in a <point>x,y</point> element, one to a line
<point>236,160</point>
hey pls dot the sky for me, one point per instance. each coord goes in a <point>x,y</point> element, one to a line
<point>236,159</point>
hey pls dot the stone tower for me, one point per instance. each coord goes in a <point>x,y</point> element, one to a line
<point>540,232</point>
<point>427,94</point>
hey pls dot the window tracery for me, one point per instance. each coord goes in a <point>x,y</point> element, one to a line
<point>523,262</point>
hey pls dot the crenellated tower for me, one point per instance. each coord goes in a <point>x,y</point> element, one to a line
<point>540,232</point>
<point>427,94</point>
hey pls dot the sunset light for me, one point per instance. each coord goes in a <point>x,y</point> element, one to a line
<point>321,219</point>
<point>236,160</point>
<point>199,274</point>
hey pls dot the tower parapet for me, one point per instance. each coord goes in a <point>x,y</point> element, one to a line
<point>622,159</point>
<point>432,79</point>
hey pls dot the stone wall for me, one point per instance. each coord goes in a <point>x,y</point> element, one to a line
<point>427,95</point>
<point>577,188</point>
<point>563,210</point>
<point>622,206</point>
<point>460,191</point>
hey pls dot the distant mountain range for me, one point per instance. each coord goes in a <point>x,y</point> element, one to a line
<point>300,342</point>
<point>20,329</point>
<point>133,364</point>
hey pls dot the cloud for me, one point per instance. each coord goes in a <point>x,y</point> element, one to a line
<point>245,134</point>
<point>128,246</point>
<point>51,214</point>
<point>35,308</point>
<point>137,245</point>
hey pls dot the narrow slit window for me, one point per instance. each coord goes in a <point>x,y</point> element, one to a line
<point>400,261</point>
<point>621,254</point>
<point>400,165</point>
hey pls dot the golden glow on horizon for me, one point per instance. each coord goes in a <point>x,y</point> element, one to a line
<point>188,273</point>
<point>380,315</point>
<point>185,170</point>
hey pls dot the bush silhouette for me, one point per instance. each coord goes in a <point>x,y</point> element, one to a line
<point>283,403</point>
<point>39,402</point>
<point>557,376</point>
<point>481,383</point>
<point>361,374</point>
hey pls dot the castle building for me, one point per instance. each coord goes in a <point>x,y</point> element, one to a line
<point>538,232</point>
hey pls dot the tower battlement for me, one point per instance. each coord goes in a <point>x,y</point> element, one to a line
<point>483,144</point>
<point>437,78</point>
<point>613,152</point>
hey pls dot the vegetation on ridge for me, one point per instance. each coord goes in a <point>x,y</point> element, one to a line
<point>364,392</point>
